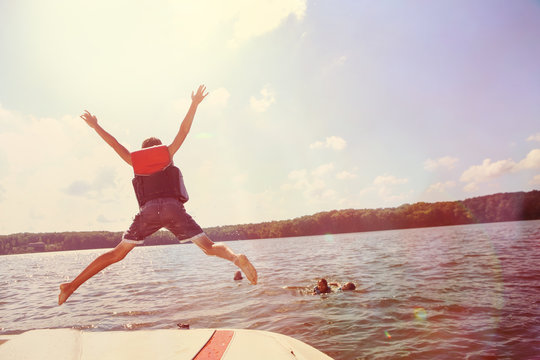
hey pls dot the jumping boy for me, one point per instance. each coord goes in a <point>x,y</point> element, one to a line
<point>161,193</point>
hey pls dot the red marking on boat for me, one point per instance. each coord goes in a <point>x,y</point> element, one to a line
<point>216,346</point>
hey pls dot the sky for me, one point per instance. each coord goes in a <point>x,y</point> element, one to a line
<point>312,106</point>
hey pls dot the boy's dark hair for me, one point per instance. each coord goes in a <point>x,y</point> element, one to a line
<point>151,141</point>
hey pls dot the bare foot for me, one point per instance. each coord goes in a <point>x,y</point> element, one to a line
<point>247,268</point>
<point>65,292</point>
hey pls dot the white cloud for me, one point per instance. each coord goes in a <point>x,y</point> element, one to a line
<point>8,119</point>
<point>297,174</point>
<point>235,21</point>
<point>485,172</point>
<point>254,18</point>
<point>441,186</point>
<point>218,98</point>
<point>328,194</point>
<point>316,145</point>
<point>446,162</point>
<point>488,170</point>
<point>470,187</point>
<point>310,184</point>
<point>390,196</point>
<point>313,188</point>
<point>252,206</point>
<point>535,180</point>
<point>95,187</point>
<point>389,180</point>
<point>345,175</point>
<point>57,175</point>
<point>334,64</point>
<point>262,104</point>
<point>323,169</point>
<point>535,137</point>
<point>336,143</point>
<point>340,61</point>
<point>388,189</point>
<point>299,180</point>
<point>240,178</point>
<point>531,161</point>
<point>332,142</point>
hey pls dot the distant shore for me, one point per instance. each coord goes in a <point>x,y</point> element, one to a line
<point>516,206</point>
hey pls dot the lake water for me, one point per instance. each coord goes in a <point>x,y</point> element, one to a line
<point>447,293</point>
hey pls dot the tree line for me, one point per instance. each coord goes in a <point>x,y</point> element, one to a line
<point>515,206</point>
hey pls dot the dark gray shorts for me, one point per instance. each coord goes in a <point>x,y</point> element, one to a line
<point>168,213</point>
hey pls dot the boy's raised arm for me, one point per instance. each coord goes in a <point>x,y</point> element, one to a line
<point>91,120</point>
<point>188,120</point>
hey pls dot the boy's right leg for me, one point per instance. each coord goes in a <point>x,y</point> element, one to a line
<point>100,263</point>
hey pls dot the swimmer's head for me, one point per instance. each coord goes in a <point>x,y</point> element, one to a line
<point>151,141</point>
<point>322,285</point>
<point>348,286</point>
<point>238,275</point>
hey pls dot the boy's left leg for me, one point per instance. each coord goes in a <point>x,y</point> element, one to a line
<point>223,251</point>
<point>182,225</point>
<point>100,263</point>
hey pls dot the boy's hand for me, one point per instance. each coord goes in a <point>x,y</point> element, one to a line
<point>199,96</point>
<point>90,119</point>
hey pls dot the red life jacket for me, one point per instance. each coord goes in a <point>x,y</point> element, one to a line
<point>150,160</point>
<point>156,176</point>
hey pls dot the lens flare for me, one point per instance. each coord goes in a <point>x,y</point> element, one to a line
<point>420,314</point>
<point>204,135</point>
<point>387,334</point>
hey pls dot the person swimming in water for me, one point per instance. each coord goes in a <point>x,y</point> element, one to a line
<point>324,288</point>
<point>238,275</point>
<point>347,286</point>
